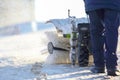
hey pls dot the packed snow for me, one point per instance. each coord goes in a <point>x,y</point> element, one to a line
<point>23,57</point>
<point>19,52</point>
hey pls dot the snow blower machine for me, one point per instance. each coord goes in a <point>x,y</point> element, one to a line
<point>72,36</point>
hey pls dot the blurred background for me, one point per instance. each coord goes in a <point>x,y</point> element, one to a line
<point>23,16</point>
<point>23,40</point>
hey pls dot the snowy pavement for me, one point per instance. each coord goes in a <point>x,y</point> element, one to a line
<point>67,72</point>
<point>22,57</point>
<point>18,53</point>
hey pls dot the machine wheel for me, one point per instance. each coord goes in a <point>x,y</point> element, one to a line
<point>83,57</point>
<point>50,47</point>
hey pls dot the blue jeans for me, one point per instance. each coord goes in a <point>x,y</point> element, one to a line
<point>104,25</point>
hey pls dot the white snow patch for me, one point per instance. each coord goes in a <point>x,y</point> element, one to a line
<point>18,53</point>
<point>20,56</point>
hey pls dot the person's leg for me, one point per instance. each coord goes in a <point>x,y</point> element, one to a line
<point>111,21</point>
<point>97,37</point>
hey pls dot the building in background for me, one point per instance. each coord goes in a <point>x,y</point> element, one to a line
<point>16,16</point>
<point>16,11</point>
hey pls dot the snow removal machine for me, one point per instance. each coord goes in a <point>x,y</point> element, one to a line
<point>73,36</point>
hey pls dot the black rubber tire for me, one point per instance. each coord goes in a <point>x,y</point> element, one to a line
<point>50,47</point>
<point>83,56</point>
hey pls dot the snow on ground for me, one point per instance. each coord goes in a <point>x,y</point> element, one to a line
<point>18,53</point>
<point>22,58</point>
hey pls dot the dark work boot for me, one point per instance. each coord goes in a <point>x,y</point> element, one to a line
<point>113,72</point>
<point>98,69</point>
